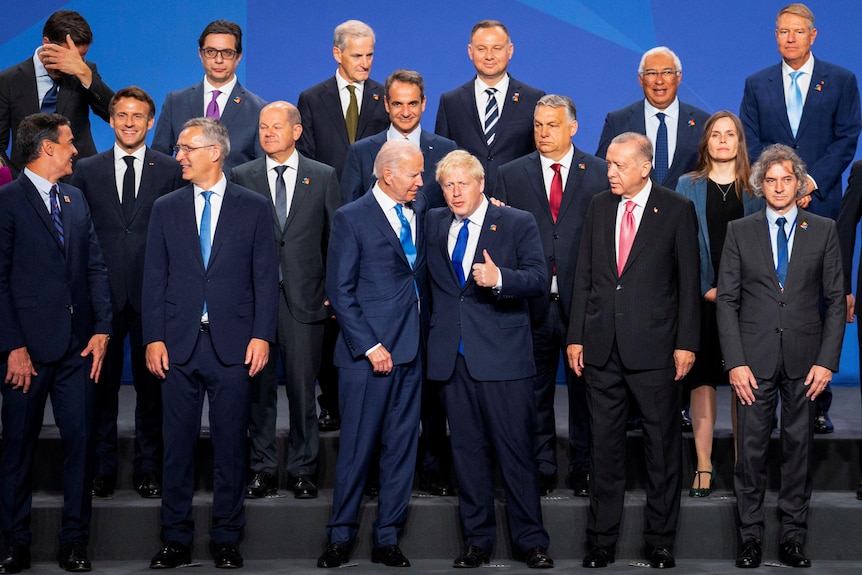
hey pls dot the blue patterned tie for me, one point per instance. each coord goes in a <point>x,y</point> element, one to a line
<point>406,236</point>
<point>661,159</point>
<point>55,214</point>
<point>492,114</point>
<point>49,102</point>
<point>794,102</point>
<point>781,246</point>
<point>458,252</point>
<point>206,234</point>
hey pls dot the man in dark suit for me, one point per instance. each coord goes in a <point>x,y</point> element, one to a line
<point>633,332</point>
<point>405,102</point>
<point>484,263</point>
<point>55,313</point>
<point>210,306</point>
<point>120,186</point>
<point>556,184</point>
<point>375,279</point>
<point>55,79</point>
<point>490,116</point>
<point>219,96</point>
<point>670,125</point>
<point>775,265</point>
<point>304,202</point>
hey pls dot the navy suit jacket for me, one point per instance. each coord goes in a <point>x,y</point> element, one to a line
<point>123,243</point>
<point>458,119</point>
<point>19,99</point>
<point>494,327</point>
<point>303,243</point>
<point>358,176</point>
<point>520,184</point>
<point>688,132</point>
<point>371,285</point>
<point>324,132</point>
<point>240,285</point>
<point>240,116</point>
<point>828,131</point>
<point>51,296</point>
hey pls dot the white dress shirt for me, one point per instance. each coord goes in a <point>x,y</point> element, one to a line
<point>290,174</point>
<point>414,136</point>
<point>479,88</point>
<point>222,97</point>
<point>671,121</point>
<point>344,93</point>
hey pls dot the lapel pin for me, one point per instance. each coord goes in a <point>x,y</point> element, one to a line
<point>582,167</point>
<point>151,163</point>
<point>67,200</point>
<point>655,210</point>
<point>516,96</point>
<point>691,123</point>
<point>819,87</point>
<point>306,181</point>
<point>804,225</point>
<point>493,227</point>
<point>376,96</point>
<point>237,100</point>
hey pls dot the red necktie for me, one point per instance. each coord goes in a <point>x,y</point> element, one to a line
<point>556,197</point>
<point>627,236</point>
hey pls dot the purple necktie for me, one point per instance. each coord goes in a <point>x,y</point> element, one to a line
<point>212,107</point>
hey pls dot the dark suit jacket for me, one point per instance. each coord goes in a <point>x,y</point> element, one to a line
<point>828,132</point>
<point>302,245</point>
<point>241,117</point>
<point>651,309</point>
<point>50,296</point>
<point>520,184</point>
<point>358,176</point>
<point>371,285</point>
<point>495,327</point>
<point>757,322</point>
<point>324,132</point>
<point>19,99</point>
<point>458,119</point>
<point>240,285</point>
<point>123,243</point>
<point>848,218</point>
<point>688,132</point>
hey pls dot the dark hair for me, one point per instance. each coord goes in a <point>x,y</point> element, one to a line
<point>136,94</point>
<point>67,22</point>
<point>36,128</point>
<point>704,162</point>
<point>408,77</point>
<point>222,27</point>
<point>489,24</point>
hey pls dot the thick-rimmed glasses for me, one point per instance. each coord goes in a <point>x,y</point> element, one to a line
<point>211,53</point>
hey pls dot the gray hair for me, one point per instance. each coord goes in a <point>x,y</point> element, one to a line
<point>214,133</point>
<point>777,154</point>
<point>557,101</point>
<point>644,146</point>
<point>351,29</point>
<point>392,153</point>
<point>660,50</point>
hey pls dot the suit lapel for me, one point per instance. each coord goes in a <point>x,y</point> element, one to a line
<point>775,89</point>
<point>537,186</point>
<point>763,239</point>
<point>332,104</point>
<point>228,214</point>
<point>235,99</point>
<point>650,223</point>
<point>369,97</point>
<point>26,88</point>
<point>801,238</point>
<point>378,218</point>
<point>573,184</point>
<point>813,99</point>
<point>35,198</point>
<point>109,188</point>
<point>301,191</point>
<point>607,215</point>
<point>487,238</point>
<point>468,102</point>
<point>196,100</point>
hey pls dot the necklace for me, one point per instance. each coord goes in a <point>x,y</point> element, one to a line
<point>724,191</point>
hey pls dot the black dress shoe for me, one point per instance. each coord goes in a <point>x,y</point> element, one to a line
<point>547,483</point>
<point>791,553</point>
<point>750,555</point>
<point>391,556</point>
<point>334,556</point>
<point>328,421</point>
<point>661,558</point>
<point>472,557</point>
<point>686,420</point>
<point>15,558</point>
<point>598,557</point>
<point>538,558</point>
<point>149,487</point>
<point>103,486</point>
<point>263,484</point>
<point>822,423</point>
<point>227,556</point>
<point>171,555</point>
<point>579,483</point>
<point>433,483</point>
<point>304,488</point>
<point>73,557</point>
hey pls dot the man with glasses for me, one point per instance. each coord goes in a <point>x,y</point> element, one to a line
<point>219,96</point>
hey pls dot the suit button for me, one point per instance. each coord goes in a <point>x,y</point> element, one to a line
<point>490,158</point>
<point>128,231</point>
<point>782,304</point>
<point>556,236</point>
<point>778,330</point>
<point>619,287</point>
<point>461,299</point>
<point>282,244</point>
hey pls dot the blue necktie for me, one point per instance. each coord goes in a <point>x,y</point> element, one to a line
<point>56,217</point>
<point>781,246</point>
<point>794,102</point>
<point>406,236</point>
<point>661,158</point>
<point>206,234</point>
<point>49,102</point>
<point>492,114</point>
<point>458,252</point>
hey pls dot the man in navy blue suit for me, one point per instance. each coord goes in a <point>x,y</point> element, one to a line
<point>555,184</point>
<point>491,116</point>
<point>813,107</point>
<point>121,186</point>
<point>375,279</point>
<point>210,307</point>
<point>484,263</point>
<point>55,313</point>
<point>219,95</point>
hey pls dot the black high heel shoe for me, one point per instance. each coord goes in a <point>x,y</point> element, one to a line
<point>701,491</point>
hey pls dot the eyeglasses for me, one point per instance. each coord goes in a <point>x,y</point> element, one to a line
<point>665,74</point>
<point>187,149</point>
<point>211,53</point>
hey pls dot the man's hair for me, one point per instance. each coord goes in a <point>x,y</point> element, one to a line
<point>351,29</point>
<point>557,101</point>
<point>136,94</point>
<point>459,159</point>
<point>214,132</point>
<point>797,9</point>
<point>644,150</point>
<point>489,24</point>
<point>222,27</point>
<point>392,153</point>
<point>777,154</point>
<point>293,115</point>
<point>67,22</point>
<point>660,50</point>
<point>35,129</point>
<point>704,162</point>
<point>408,77</point>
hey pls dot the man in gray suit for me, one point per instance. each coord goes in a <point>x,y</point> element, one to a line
<point>305,195</point>
<point>774,266</point>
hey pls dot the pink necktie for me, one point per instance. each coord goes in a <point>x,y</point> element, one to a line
<point>627,236</point>
<point>212,107</point>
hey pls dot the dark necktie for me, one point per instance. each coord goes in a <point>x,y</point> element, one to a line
<point>794,102</point>
<point>458,252</point>
<point>351,118</point>
<point>280,196</point>
<point>56,217</point>
<point>212,107</point>
<point>556,196</point>
<point>129,188</point>
<point>661,158</point>
<point>49,102</point>
<point>406,236</point>
<point>492,114</point>
<point>781,247</point>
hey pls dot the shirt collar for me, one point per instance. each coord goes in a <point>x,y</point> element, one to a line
<point>218,189</point>
<point>502,86</point>
<point>642,197</point>
<point>478,215</point>
<point>565,161</point>
<point>227,89</point>
<point>42,185</point>
<point>292,162</point>
<point>414,136</point>
<point>342,83</point>
<point>39,66</point>
<point>120,153</point>
<point>671,111</point>
<point>790,216</point>
<point>807,67</point>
